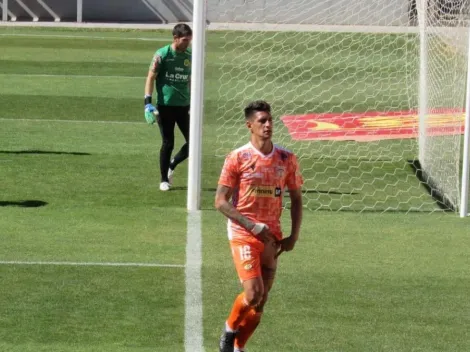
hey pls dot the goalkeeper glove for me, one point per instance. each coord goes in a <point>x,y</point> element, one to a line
<point>150,112</point>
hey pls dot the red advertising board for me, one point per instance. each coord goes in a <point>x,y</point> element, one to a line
<point>371,126</point>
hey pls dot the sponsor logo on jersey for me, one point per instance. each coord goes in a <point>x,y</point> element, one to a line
<point>179,69</point>
<point>264,191</point>
<point>176,77</point>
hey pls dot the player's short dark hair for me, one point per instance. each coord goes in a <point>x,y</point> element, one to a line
<point>182,30</point>
<point>255,106</point>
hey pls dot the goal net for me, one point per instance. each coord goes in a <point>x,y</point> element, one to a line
<point>343,80</point>
<point>443,29</point>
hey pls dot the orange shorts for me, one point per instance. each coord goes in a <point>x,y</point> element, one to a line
<point>247,253</point>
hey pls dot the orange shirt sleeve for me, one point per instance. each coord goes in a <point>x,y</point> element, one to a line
<point>229,176</point>
<point>294,178</point>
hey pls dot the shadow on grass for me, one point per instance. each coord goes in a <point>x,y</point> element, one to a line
<point>23,203</point>
<point>34,151</point>
<point>442,201</point>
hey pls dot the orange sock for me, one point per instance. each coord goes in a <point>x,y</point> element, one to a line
<point>247,327</point>
<point>239,310</point>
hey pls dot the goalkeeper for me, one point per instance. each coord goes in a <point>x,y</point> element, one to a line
<point>171,71</point>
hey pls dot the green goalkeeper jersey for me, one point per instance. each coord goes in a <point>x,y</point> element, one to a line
<point>173,76</point>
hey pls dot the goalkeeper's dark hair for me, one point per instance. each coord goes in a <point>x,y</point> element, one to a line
<point>182,30</point>
<point>255,106</point>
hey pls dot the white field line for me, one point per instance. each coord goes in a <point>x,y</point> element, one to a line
<point>67,36</point>
<point>193,329</point>
<point>76,121</point>
<point>151,265</point>
<point>71,76</point>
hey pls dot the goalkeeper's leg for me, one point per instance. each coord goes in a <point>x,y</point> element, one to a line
<point>182,120</point>
<point>166,123</point>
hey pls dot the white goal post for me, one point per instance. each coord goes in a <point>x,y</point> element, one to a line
<point>197,106</point>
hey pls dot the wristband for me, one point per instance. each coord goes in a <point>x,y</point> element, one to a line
<point>259,226</point>
<point>148,99</point>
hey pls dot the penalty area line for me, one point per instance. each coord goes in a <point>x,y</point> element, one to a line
<point>124,264</point>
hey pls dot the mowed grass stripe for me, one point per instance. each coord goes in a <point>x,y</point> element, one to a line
<point>72,107</point>
<point>88,37</point>
<point>74,85</point>
<point>143,265</point>
<point>71,76</point>
<point>91,308</point>
<point>96,68</point>
<point>99,183</point>
<point>102,44</point>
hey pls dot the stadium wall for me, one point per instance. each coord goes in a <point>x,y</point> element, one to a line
<point>318,12</point>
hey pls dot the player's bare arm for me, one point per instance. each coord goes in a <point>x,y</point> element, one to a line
<point>222,204</point>
<point>150,82</point>
<point>295,212</point>
<point>287,244</point>
<point>152,75</point>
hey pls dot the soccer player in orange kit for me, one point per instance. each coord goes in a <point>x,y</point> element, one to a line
<point>254,177</point>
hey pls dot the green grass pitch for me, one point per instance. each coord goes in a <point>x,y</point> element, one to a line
<point>74,140</point>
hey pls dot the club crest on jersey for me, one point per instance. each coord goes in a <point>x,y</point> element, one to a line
<point>280,171</point>
<point>283,156</point>
<point>187,62</point>
<point>246,156</point>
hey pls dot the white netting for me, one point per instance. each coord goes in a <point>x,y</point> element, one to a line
<point>347,96</point>
<point>445,41</point>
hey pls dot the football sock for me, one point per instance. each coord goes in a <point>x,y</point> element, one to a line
<point>239,310</point>
<point>247,327</point>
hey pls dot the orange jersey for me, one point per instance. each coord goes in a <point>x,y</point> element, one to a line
<point>258,182</point>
